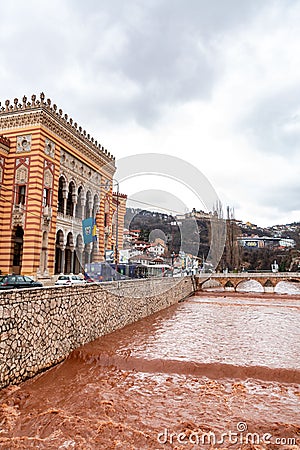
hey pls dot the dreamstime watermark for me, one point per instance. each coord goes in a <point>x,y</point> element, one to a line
<point>240,436</point>
<point>170,169</point>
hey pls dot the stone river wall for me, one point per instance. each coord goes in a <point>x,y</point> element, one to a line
<point>40,327</point>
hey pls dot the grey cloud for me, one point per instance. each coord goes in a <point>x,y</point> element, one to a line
<point>274,123</point>
<point>166,51</point>
<point>157,200</point>
<point>170,52</point>
<point>284,198</point>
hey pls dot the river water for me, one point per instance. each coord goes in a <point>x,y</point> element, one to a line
<point>216,371</point>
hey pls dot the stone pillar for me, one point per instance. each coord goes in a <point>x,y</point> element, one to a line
<point>79,252</point>
<point>72,260</point>
<point>82,202</point>
<point>43,269</point>
<point>62,262</point>
<point>74,201</point>
<point>88,249</point>
<point>95,252</point>
<point>46,270</point>
<point>65,196</point>
<point>90,208</point>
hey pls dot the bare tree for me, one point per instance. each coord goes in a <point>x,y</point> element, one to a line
<point>217,235</point>
<point>232,246</point>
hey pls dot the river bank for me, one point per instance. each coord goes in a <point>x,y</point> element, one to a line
<point>140,388</point>
<point>247,294</point>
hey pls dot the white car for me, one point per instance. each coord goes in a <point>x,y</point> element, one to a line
<point>69,280</point>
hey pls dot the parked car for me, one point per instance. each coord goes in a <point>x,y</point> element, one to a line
<point>69,280</point>
<point>18,282</point>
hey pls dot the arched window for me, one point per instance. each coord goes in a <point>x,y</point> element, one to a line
<point>61,188</point>
<point>70,204</point>
<point>21,200</point>
<point>88,205</point>
<point>59,260</point>
<point>78,210</point>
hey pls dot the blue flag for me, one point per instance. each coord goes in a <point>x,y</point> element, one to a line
<point>89,230</point>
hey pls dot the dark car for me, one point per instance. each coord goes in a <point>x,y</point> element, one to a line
<point>18,282</point>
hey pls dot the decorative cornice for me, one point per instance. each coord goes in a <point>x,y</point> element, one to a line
<point>42,112</point>
<point>4,140</point>
<point>119,195</point>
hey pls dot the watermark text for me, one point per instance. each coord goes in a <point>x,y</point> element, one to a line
<point>240,436</point>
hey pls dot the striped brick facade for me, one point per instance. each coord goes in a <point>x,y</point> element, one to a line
<point>52,176</point>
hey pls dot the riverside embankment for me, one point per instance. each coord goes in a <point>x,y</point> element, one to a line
<point>40,327</point>
<point>213,372</point>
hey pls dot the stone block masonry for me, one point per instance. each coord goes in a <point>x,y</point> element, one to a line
<point>40,327</point>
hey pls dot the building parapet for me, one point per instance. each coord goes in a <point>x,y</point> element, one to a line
<point>14,115</point>
<point>119,195</point>
<point>4,140</point>
<point>4,143</point>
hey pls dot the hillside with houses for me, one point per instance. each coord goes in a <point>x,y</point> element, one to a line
<point>155,238</point>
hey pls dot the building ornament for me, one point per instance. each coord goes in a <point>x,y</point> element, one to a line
<point>46,218</point>
<point>20,161</point>
<point>21,175</point>
<point>78,168</point>
<point>41,112</point>
<point>48,178</point>
<point>24,143</point>
<point>18,216</point>
<point>49,148</point>
<point>4,141</point>
<point>49,164</point>
<point>74,170</point>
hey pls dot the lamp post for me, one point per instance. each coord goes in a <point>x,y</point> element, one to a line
<point>117,227</point>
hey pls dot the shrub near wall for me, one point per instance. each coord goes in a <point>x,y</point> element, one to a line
<point>40,327</point>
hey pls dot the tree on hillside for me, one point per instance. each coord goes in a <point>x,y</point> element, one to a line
<point>144,235</point>
<point>232,248</point>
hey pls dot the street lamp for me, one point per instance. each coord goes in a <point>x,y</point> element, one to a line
<point>117,227</point>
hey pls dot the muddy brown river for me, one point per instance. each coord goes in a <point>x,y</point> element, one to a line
<point>216,371</point>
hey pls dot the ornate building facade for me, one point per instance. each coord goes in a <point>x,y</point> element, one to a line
<point>53,175</point>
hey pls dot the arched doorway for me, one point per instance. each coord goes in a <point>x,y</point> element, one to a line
<point>17,249</point>
<point>59,252</point>
<point>69,254</point>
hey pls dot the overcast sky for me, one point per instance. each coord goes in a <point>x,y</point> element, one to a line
<point>215,82</point>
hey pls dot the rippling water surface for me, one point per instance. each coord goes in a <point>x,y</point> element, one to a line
<point>237,332</point>
<point>207,364</point>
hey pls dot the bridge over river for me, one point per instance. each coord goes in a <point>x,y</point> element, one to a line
<point>230,281</point>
